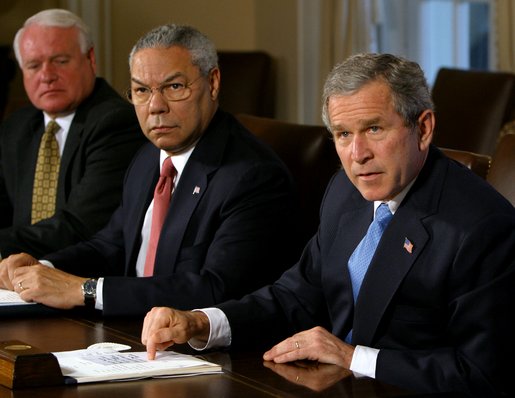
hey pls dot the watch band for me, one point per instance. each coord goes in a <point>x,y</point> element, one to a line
<point>89,292</point>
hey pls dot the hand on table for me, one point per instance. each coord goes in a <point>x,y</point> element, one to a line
<point>52,287</point>
<point>315,344</point>
<point>165,326</point>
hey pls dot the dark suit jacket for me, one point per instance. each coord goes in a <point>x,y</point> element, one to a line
<point>103,138</point>
<point>224,241</point>
<point>442,316</point>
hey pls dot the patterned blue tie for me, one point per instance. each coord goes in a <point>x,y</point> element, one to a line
<point>362,255</point>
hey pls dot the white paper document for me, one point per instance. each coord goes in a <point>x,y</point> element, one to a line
<point>86,366</point>
<point>8,297</point>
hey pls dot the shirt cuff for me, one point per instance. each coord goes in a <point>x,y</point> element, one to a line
<point>46,263</point>
<point>99,301</point>
<point>364,361</point>
<point>219,331</point>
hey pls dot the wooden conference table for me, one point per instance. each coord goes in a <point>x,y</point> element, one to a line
<point>245,374</point>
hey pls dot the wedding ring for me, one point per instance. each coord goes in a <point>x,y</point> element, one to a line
<point>297,345</point>
<point>20,285</point>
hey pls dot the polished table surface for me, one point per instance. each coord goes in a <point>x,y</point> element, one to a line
<point>245,373</point>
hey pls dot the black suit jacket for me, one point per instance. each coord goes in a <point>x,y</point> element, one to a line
<point>228,230</point>
<point>103,138</point>
<point>442,316</point>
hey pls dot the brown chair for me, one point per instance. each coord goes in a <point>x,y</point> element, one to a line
<point>471,107</point>
<point>7,73</point>
<point>308,152</point>
<point>248,83</point>
<point>502,171</point>
<point>479,164</point>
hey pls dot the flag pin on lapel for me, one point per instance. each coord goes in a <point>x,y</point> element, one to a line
<point>408,246</point>
<point>196,190</point>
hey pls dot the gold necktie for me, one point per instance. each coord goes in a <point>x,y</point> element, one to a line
<point>46,176</point>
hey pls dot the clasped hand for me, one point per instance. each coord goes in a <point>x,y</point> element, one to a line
<point>35,282</point>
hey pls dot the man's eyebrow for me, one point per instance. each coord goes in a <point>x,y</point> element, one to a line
<point>168,79</point>
<point>361,123</point>
<point>370,122</point>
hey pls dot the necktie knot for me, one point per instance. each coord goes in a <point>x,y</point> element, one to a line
<point>52,127</point>
<point>168,169</point>
<point>383,215</point>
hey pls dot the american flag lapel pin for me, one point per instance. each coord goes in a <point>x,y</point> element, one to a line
<point>408,246</point>
<point>196,190</point>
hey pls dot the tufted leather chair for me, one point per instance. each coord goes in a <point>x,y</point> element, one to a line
<point>248,82</point>
<point>471,107</point>
<point>308,152</point>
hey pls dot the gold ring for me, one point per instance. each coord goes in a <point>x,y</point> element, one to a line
<point>297,345</point>
<point>20,285</point>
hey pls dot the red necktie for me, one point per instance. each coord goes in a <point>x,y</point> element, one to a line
<point>162,196</point>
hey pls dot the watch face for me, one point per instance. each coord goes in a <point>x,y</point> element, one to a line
<point>90,287</point>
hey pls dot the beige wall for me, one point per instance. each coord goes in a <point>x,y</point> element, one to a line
<point>12,15</point>
<point>267,25</point>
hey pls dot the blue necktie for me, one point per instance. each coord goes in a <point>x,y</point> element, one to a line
<point>362,255</point>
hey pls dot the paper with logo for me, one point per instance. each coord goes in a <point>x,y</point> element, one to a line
<point>87,366</point>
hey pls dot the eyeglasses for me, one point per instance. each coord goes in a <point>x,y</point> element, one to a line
<point>171,91</point>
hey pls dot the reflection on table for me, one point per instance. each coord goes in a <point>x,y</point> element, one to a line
<point>245,373</point>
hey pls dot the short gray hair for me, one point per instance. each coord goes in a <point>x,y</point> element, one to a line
<point>408,85</point>
<point>60,18</point>
<point>202,50</point>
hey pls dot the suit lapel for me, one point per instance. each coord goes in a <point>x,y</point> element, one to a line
<point>28,154</point>
<point>392,261</point>
<point>204,160</point>
<point>386,272</point>
<point>189,191</point>
<point>141,191</point>
<point>336,278</point>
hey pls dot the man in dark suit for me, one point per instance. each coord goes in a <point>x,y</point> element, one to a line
<point>97,137</point>
<point>435,311</point>
<point>229,224</point>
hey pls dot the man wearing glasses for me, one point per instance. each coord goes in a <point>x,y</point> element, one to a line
<point>207,210</point>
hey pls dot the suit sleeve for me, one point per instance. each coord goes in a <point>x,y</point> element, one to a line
<point>480,307</point>
<point>111,141</point>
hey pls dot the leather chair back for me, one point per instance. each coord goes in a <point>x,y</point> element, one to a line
<point>471,108</point>
<point>308,152</point>
<point>502,171</point>
<point>7,72</point>
<point>479,164</point>
<point>248,83</point>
